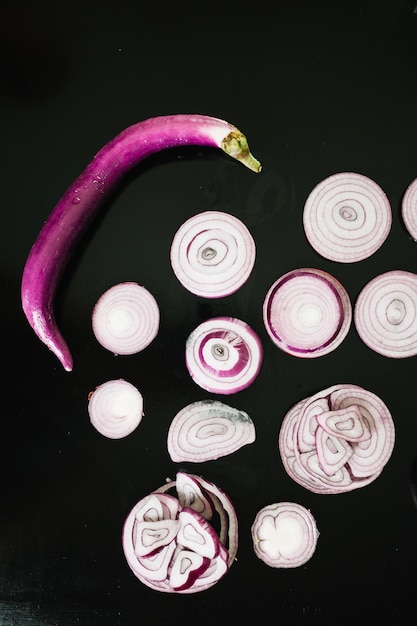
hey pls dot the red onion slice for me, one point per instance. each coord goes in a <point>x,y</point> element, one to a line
<point>125,319</point>
<point>207,430</point>
<point>223,355</point>
<point>385,314</point>
<point>284,535</point>
<point>347,217</point>
<point>213,254</point>
<point>307,313</point>
<point>115,408</point>
<point>409,209</point>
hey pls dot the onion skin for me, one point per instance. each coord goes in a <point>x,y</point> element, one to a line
<point>82,200</point>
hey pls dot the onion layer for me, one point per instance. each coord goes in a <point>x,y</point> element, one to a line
<point>125,318</point>
<point>307,313</point>
<point>409,209</point>
<point>213,254</point>
<point>284,535</point>
<point>207,430</point>
<point>115,408</point>
<point>385,314</point>
<point>223,355</point>
<point>337,440</point>
<point>347,217</point>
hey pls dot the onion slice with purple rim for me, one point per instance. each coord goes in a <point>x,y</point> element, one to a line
<point>284,535</point>
<point>208,429</point>
<point>337,440</point>
<point>115,408</point>
<point>223,355</point>
<point>347,217</point>
<point>307,313</point>
<point>385,314</point>
<point>409,209</point>
<point>213,254</point>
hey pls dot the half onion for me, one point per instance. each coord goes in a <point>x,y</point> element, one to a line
<point>409,209</point>
<point>125,318</point>
<point>115,408</point>
<point>213,254</point>
<point>223,355</point>
<point>347,217</point>
<point>307,313</point>
<point>385,314</point>
<point>207,430</point>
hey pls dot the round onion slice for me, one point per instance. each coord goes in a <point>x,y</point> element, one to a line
<point>223,355</point>
<point>284,535</point>
<point>307,313</point>
<point>213,254</point>
<point>125,318</point>
<point>115,408</point>
<point>385,314</point>
<point>207,430</point>
<point>337,440</point>
<point>347,217</point>
<point>409,209</point>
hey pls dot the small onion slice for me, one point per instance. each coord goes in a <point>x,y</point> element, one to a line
<point>385,314</point>
<point>125,318</point>
<point>213,254</point>
<point>208,429</point>
<point>347,217</point>
<point>307,313</point>
<point>223,355</point>
<point>284,535</point>
<point>409,209</point>
<point>115,408</point>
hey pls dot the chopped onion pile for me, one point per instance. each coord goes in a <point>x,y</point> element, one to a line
<point>347,217</point>
<point>386,314</point>
<point>337,440</point>
<point>115,408</point>
<point>409,209</point>
<point>213,254</point>
<point>284,535</point>
<point>223,355</point>
<point>207,430</point>
<point>183,537</point>
<point>125,318</point>
<point>307,313</point>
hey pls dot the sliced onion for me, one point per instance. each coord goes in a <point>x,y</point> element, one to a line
<point>115,408</point>
<point>307,313</point>
<point>223,355</point>
<point>284,535</point>
<point>337,440</point>
<point>347,217</point>
<point>125,318</point>
<point>409,209</point>
<point>213,254</point>
<point>207,430</point>
<point>385,314</point>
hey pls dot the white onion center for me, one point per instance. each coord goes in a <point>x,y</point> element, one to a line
<point>115,408</point>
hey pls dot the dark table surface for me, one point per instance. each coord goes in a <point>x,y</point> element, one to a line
<point>318,88</point>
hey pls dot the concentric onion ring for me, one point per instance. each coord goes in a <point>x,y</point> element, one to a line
<point>115,408</point>
<point>307,313</point>
<point>125,318</point>
<point>213,254</point>
<point>385,314</point>
<point>223,355</point>
<point>347,217</point>
<point>409,209</point>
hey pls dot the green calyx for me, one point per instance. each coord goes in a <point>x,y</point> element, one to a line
<point>236,146</point>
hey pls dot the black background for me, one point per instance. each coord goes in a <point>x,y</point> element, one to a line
<point>317,87</point>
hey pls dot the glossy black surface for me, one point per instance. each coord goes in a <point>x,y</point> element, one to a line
<point>317,88</point>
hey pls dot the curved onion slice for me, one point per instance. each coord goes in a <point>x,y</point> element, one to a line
<point>125,318</point>
<point>347,217</point>
<point>284,535</point>
<point>307,313</point>
<point>337,440</point>
<point>385,314</point>
<point>223,355</point>
<point>213,254</point>
<point>409,209</point>
<point>115,408</point>
<point>207,430</point>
